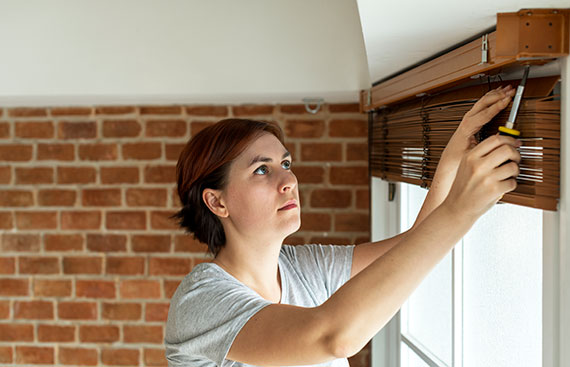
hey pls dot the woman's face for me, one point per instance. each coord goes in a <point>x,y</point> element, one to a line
<point>260,183</point>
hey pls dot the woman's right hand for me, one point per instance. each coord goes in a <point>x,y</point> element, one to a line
<point>483,177</point>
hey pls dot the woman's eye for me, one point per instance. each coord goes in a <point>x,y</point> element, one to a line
<point>262,170</point>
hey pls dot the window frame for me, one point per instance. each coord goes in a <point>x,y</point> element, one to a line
<point>385,217</point>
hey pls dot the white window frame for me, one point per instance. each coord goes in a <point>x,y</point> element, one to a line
<point>556,259</point>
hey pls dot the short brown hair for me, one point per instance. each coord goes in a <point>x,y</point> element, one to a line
<point>204,163</point>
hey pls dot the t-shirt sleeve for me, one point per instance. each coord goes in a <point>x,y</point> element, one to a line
<point>329,265</point>
<point>204,319</point>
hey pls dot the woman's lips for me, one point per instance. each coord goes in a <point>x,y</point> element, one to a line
<point>290,206</point>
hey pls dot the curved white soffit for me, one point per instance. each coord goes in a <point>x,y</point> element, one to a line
<point>179,51</point>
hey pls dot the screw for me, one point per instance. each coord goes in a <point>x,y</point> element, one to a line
<point>527,24</point>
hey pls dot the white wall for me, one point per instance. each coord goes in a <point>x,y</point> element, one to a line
<point>216,51</point>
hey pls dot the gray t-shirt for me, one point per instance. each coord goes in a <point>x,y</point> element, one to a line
<point>210,306</point>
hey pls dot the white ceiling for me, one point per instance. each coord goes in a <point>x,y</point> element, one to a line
<point>400,33</point>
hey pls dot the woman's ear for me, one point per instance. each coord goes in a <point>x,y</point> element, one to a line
<point>212,199</point>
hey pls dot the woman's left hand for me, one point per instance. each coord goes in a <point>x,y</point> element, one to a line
<point>481,113</point>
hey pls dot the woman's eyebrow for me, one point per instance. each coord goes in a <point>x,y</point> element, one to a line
<point>259,158</point>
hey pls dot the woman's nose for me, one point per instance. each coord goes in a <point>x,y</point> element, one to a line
<point>288,182</point>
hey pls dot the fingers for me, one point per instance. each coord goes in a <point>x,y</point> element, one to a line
<point>492,97</point>
<point>501,155</point>
<point>507,171</point>
<point>491,143</point>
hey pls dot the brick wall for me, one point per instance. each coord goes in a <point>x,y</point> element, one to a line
<point>88,257</point>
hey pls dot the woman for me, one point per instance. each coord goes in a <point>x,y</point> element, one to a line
<point>260,302</point>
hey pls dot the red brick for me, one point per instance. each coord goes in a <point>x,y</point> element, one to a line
<point>156,312</point>
<point>78,356</point>
<point>142,334</point>
<point>349,175</point>
<point>344,107</point>
<point>39,310</point>
<point>75,175</point>
<point>7,265</point>
<point>121,311</point>
<point>146,197</point>
<point>186,243</point>
<point>76,130</point>
<point>16,198</point>
<point>125,220</point>
<point>121,128</point>
<point>304,128</point>
<point>207,110</point>
<point>325,152</point>
<point>6,174</point>
<point>170,287</point>
<point>150,243</point>
<point>15,152</point>
<point>34,130</point>
<point>13,287</point>
<point>20,242</point>
<point>72,310</point>
<point>114,110</point>
<point>16,332</point>
<point>160,174</point>
<point>309,174</point>
<point>252,110</point>
<point>155,357</point>
<point>120,357</point>
<point>169,266</point>
<point>161,220</point>
<point>173,151</point>
<point>5,310</point>
<point>6,355</point>
<point>4,130</point>
<point>71,111</point>
<point>357,152</point>
<point>160,110</point>
<point>6,222</point>
<point>56,152</point>
<point>331,198</point>
<point>115,175</point>
<point>98,333</point>
<point>363,199</point>
<point>52,288</point>
<point>148,150</point>
<point>56,333</point>
<point>315,222</point>
<point>34,355</point>
<point>166,128</point>
<point>95,288</point>
<point>106,242</point>
<point>82,265</point>
<point>98,152</point>
<point>27,112</point>
<point>125,265</point>
<point>348,128</point>
<point>296,109</point>
<point>330,240</point>
<point>63,242</point>
<point>352,222</point>
<point>198,126</point>
<point>36,220</point>
<point>101,197</point>
<point>34,175</point>
<point>131,289</point>
<point>80,220</point>
<point>38,265</point>
<point>56,197</point>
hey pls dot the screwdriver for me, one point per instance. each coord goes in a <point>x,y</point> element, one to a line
<point>508,128</point>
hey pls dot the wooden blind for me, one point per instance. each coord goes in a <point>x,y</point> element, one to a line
<point>408,139</point>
